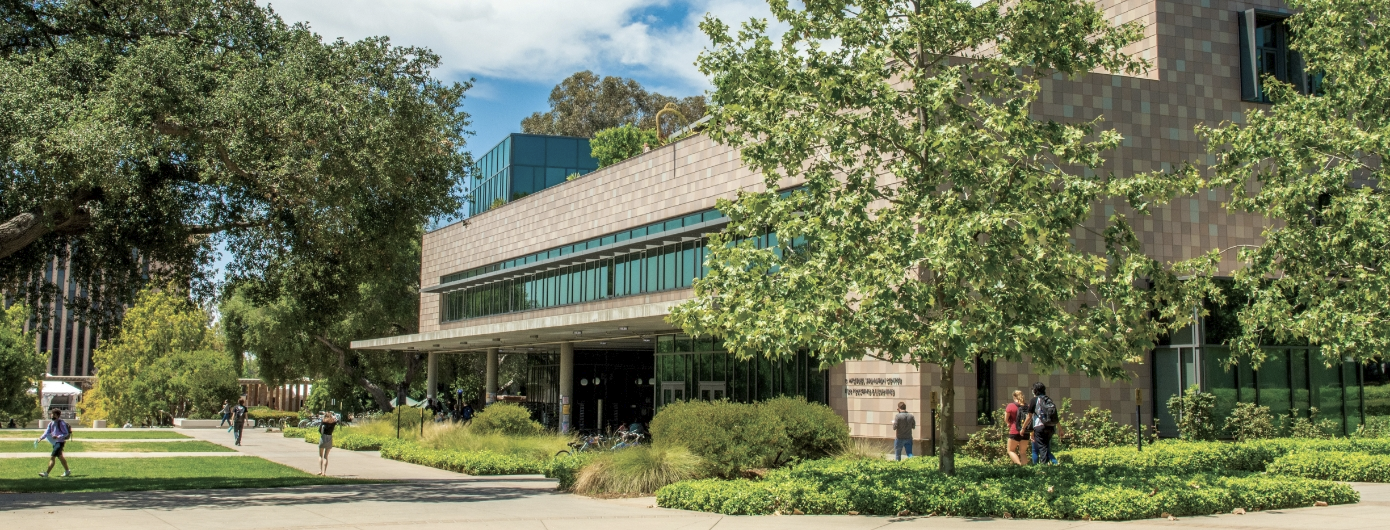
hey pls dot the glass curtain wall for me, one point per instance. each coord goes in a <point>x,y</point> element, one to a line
<point>522,164</point>
<point>688,368</point>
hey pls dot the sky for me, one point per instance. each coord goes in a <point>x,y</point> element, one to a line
<point>517,50</point>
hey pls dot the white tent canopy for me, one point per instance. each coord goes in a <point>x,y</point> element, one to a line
<point>58,388</point>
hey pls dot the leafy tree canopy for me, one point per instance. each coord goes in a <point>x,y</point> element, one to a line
<point>584,104</point>
<point>937,219</point>
<point>1316,165</point>
<point>163,362</point>
<point>22,366</point>
<point>143,132</point>
<point>617,144</point>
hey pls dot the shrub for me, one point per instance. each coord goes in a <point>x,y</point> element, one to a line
<point>506,418</point>
<point>638,470</point>
<point>1310,426</point>
<point>1250,422</point>
<point>864,448</point>
<point>988,443</point>
<point>566,468</point>
<point>1193,457</point>
<point>267,414</point>
<point>350,441</point>
<point>295,432</point>
<point>1327,465</point>
<point>1193,411</point>
<point>730,437</point>
<point>471,463</point>
<point>1374,427</point>
<point>813,430</point>
<point>1094,428</point>
<point>979,490</point>
<point>617,144</point>
<point>455,437</point>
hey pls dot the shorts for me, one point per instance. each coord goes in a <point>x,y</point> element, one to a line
<point>57,449</point>
<point>1018,437</point>
<point>326,441</point>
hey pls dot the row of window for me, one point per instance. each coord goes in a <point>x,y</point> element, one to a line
<point>700,369</point>
<point>641,231</point>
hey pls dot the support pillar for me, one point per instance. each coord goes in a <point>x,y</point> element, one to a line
<point>490,381</point>
<point>432,377</point>
<point>566,383</point>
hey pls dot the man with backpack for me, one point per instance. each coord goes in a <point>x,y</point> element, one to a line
<point>1042,415</point>
<point>57,433</point>
<point>238,419</point>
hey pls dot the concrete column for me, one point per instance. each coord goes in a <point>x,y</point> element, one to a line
<point>566,383</point>
<point>432,376</point>
<point>490,381</point>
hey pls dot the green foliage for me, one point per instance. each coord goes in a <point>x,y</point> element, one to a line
<point>617,144</point>
<point>1194,411</point>
<point>1094,428</point>
<point>1329,465</point>
<point>162,364</point>
<point>876,487</point>
<point>1197,457</point>
<point>1310,164</point>
<point>267,414</point>
<point>566,468</point>
<point>132,132</point>
<point>350,441</point>
<point>456,437</point>
<point>470,463</point>
<point>813,430</point>
<point>638,470</point>
<point>1249,421</point>
<point>989,443</point>
<point>1309,426</point>
<point>295,432</point>
<point>864,448</point>
<point>938,219</point>
<point>584,104</point>
<point>730,437</point>
<point>317,400</point>
<point>1374,427</point>
<point>506,418</point>
<point>22,367</point>
<point>176,473</point>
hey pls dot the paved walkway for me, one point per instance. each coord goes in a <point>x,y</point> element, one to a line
<point>427,499</point>
<point>294,452</point>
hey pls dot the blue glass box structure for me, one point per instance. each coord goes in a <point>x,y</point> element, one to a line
<point>522,164</point>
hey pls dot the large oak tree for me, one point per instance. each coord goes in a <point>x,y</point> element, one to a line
<point>147,131</point>
<point>937,219</point>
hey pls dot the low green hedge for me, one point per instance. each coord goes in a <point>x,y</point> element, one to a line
<point>1197,457</point>
<point>295,432</point>
<point>566,468</point>
<point>979,490</point>
<point>1351,467</point>
<point>471,463</point>
<point>350,441</point>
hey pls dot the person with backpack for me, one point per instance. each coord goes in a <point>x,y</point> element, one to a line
<point>903,424</point>
<point>1042,415</point>
<point>238,419</point>
<point>1014,416</point>
<point>57,433</point>
<point>467,413</point>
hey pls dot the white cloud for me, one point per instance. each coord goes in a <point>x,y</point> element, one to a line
<point>532,40</point>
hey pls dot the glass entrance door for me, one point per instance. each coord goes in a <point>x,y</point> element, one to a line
<point>1175,369</point>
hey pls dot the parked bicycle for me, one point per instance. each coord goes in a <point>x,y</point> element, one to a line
<point>585,443</point>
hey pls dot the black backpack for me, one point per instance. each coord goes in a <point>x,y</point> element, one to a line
<point>1045,410</point>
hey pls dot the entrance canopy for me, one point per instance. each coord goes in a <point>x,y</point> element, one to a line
<point>58,388</point>
<point>627,327</point>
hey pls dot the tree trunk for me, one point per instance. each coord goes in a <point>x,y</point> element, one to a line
<point>379,394</point>
<point>947,422</point>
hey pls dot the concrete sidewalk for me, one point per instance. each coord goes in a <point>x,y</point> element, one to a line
<point>294,452</point>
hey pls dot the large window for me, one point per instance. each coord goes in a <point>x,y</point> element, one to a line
<point>688,368</point>
<point>1265,52</point>
<point>522,164</point>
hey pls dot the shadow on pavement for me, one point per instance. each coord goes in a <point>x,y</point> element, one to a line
<point>460,491</point>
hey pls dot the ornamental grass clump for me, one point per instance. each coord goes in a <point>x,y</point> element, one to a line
<point>638,471</point>
<point>455,437</point>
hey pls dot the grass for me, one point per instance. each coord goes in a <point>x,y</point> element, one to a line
<point>112,434</point>
<point>79,446</point>
<point>864,449</point>
<point>459,438</point>
<point>637,471</point>
<point>20,475</point>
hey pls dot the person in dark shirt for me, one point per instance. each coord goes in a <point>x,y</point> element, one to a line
<point>238,419</point>
<point>330,422</point>
<point>903,424</point>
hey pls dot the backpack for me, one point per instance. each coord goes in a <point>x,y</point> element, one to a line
<point>239,413</point>
<point>63,430</point>
<point>1018,420</point>
<point>1045,410</point>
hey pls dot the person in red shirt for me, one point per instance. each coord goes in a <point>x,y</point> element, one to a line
<point>1013,414</point>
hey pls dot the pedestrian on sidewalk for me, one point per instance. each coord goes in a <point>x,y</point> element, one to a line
<point>238,419</point>
<point>57,434</point>
<point>1015,416</point>
<point>1042,416</point>
<point>226,414</point>
<point>330,422</point>
<point>903,424</point>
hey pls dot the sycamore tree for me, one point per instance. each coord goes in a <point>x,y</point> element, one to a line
<point>22,366</point>
<point>1315,164</point>
<point>163,361</point>
<point>148,131</point>
<point>937,218</point>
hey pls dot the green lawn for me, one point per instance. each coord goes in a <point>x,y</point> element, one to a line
<point>20,475</point>
<point>79,446</point>
<point>105,434</point>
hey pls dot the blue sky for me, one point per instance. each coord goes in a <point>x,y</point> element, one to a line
<point>518,49</point>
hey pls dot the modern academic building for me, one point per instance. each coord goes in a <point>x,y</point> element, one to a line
<point>580,274</point>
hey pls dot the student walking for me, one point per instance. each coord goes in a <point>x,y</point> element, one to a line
<point>238,419</point>
<point>1043,417</point>
<point>330,422</point>
<point>1015,416</point>
<point>226,415</point>
<point>903,424</point>
<point>57,433</point>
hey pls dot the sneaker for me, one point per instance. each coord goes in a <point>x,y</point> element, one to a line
<point>43,475</point>
<point>67,472</point>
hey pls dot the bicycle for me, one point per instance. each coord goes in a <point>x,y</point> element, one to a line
<point>586,443</point>
<point>627,439</point>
